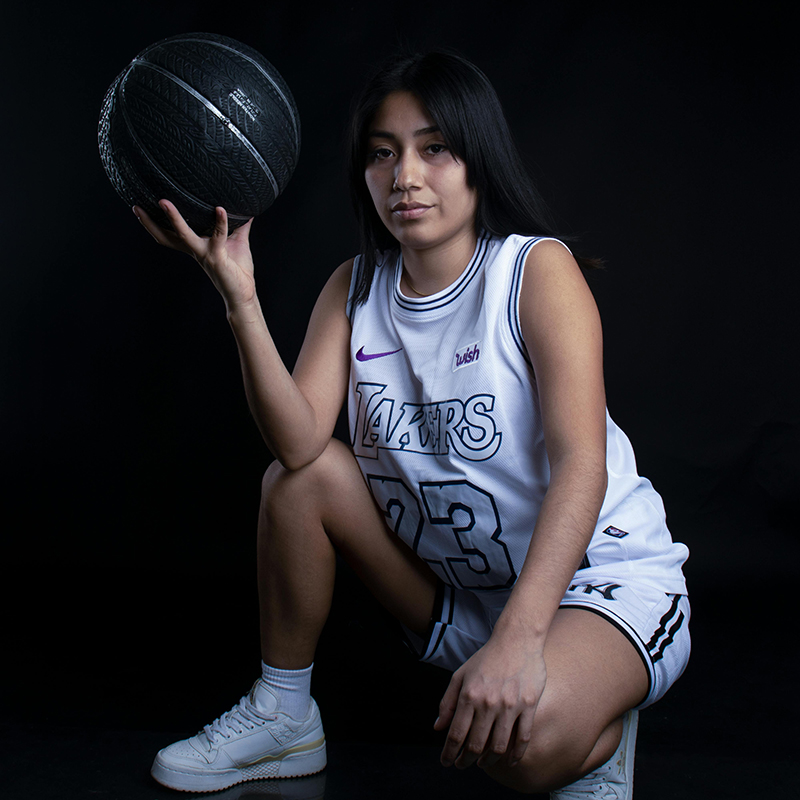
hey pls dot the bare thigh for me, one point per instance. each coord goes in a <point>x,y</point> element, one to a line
<point>594,675</point>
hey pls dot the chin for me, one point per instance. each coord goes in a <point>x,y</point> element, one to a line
<point>417,237</point>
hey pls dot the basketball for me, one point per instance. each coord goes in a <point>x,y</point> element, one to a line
<point>202,120</point>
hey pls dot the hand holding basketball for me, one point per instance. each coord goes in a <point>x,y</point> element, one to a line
<point>227,260</point>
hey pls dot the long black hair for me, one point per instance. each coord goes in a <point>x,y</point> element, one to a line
<point>463,103</point>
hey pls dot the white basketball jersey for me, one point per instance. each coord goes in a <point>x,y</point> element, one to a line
<point>446,426</point>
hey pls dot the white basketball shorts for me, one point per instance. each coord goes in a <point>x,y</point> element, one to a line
<point>656,624</point>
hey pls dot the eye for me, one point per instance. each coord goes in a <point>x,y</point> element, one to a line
<point>380,154</point>
<point>437,148</point>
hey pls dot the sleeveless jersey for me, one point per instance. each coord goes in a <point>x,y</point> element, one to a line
<point>446,426</point>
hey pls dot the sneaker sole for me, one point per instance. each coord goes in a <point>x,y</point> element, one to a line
<point>310,760</point>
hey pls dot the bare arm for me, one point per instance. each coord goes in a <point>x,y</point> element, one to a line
<point>501,684</point>
<point>561,327</point>
<point>296,413</point>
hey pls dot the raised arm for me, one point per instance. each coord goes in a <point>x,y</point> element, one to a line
<point>296,413</point>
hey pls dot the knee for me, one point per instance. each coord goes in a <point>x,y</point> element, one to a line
<point>274,485</point>
<point>278,476</point>
<point>274,474</point>
<point>312,485</point>
<point>554,758</point>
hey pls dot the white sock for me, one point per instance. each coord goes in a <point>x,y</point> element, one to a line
<point>292,687</point>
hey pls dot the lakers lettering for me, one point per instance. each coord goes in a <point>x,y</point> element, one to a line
<point>382,422</point>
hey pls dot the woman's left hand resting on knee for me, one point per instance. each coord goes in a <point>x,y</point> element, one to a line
<point>491,702</point>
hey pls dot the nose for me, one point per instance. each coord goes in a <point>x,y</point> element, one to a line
<point>407,173</point>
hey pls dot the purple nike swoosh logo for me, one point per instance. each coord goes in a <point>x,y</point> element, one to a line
<point>362,356</point>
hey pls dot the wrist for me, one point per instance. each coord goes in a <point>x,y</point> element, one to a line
<point>522,627</point>
<point>245,312</point>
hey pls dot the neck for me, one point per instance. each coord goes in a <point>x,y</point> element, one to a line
<point>429,270</point>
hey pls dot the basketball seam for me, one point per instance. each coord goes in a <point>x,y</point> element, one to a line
<point>217,113</point>
<point>156,167</point>
<point>289,106</point>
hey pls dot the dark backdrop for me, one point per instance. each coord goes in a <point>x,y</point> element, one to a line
<point>131,468</point>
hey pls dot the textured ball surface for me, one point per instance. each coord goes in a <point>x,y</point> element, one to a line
<point>202,120</point>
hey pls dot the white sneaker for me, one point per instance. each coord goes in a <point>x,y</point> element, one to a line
<point>310,787</point>
<point>614,780</point>
<point>253,740</point>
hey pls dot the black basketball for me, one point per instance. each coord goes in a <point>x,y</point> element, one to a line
<point>204,121</point>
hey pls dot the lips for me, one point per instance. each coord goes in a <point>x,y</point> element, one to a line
<point>409,210</point>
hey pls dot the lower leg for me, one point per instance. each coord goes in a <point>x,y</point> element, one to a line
<point>305,518</point>
<point>296,568</point>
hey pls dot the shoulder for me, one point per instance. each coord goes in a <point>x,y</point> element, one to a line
<point>550,265</point>
<point>555,299</point>
<point>548,247</point>
<point>337,288</point>
<point>523,249</point>
<point>341,276</point>
<point>533,258</point>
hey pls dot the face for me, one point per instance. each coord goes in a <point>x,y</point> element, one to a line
<point>419,188</point>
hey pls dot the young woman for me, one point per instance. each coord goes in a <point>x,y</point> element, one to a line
<point>486,498</point>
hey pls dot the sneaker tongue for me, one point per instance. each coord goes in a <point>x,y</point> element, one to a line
<point>262,698</point>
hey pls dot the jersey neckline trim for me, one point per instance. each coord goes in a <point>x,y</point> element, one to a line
<point>448,295</point>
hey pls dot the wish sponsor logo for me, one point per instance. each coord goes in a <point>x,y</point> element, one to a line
<point>466,356</point>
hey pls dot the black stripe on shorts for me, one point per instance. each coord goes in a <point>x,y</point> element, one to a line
<point>665,635</point>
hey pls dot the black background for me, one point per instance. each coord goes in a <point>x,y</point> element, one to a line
<point>131,468</point>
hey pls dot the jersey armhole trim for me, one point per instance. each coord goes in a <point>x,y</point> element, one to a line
<point>354,275</point>
<point>514,323</point>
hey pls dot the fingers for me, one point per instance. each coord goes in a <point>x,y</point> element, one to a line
<point>500,740</point>
<point>220,225</point>
<point>460,728</point>
<point>180,238</point>
<point>242,232</point>
<point>447,711</point>
<point>481,731</point>
<point>475,724</point>
<point>155,230</point>
<point>449,702</point>
<point>191,241</point>
<point>522,735</point>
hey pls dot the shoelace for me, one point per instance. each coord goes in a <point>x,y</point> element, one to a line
<point>244,715</point>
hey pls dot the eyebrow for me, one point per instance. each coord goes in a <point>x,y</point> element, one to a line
<point>390,135</point>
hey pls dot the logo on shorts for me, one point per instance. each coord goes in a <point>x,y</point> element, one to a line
<point>616,532</point>
<point>606,590</point>
<point>469,355</point>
